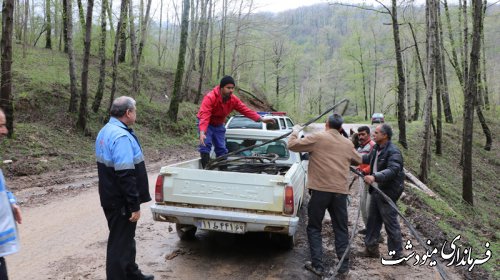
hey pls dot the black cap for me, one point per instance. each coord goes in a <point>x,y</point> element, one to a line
<point>226,80</point>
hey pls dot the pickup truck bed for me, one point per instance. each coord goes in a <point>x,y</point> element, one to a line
<point>233,201</point>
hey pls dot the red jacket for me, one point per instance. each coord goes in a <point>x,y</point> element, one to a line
<point>365,149</point>
<point>213,111</point>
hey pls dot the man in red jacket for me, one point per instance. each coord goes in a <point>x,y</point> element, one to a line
<point>215,107</point>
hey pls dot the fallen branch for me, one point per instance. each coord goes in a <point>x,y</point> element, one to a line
<point>415,182</point>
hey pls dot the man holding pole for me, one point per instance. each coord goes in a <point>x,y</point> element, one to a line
<point>386,173</point>
<point>331,155</point>
<point>215,107</point>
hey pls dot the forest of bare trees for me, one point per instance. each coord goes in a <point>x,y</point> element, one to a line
<point>429,63</point>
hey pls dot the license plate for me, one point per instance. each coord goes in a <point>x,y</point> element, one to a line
<point>224,226</point>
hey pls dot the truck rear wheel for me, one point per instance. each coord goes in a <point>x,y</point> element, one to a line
<point>283,241</point>
<point>185,232</point>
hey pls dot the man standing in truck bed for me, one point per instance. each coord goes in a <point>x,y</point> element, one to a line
<point>215,107</point>
<point>331,155</point>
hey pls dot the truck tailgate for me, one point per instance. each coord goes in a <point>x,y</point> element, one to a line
<point>223,189</point>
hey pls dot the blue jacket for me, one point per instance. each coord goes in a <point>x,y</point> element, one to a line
<point>390,175</point>
<point>123,180</point>
<point>9,239</point>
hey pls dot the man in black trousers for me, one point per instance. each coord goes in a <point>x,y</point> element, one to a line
<point>123,186</point>
<point>386,173</point>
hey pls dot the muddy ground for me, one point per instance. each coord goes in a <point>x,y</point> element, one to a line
<point>64,235</point>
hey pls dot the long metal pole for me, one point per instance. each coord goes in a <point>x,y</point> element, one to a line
<point>216,160</point>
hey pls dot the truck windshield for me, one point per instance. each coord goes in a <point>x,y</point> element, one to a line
<point>243,122</point>
<point>277,147</point>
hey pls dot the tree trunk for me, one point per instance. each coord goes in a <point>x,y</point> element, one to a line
<point>159,47</point>
<point>73,101</point>
<point>484,89</point>
<point>48,26</point>
<point>469,102</point>
<point>454,57</point>
<point>116,51</point>
<point>444,81</point>
<point>144,34</point>
<point>81,14</point>
<point>363,76</point>
<point>466,43</point>
<point>204,24</point>
<point>123,37</point>
<point>211,40</point>
<point>401,77</point>
<point>82,116</point>
<point>65,26</point>
<point>439,82</point>
<point>426,150</point>
<point>416,112</point>
<point>375,71</point>
<point>279,51</point>
<point>102,56</point>
<point>485,128</point>
<point>17,21</point>
<point>485,72</point>
<point>133,50</point>
<point>56,24</point>
<point>110,19</point>
<point>177,94</point>
<point>25,27</point>
<point>6,101</point>
<point>191,47</point>
<point>222,40</point>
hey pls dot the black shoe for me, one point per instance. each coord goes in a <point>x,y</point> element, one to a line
<point>146,277</point>
<point>370,253</point>
<point>314,269</point>
<point>399,257</point>
<point>362,231</point>
<point>205,158</point>
<point>342,275</point>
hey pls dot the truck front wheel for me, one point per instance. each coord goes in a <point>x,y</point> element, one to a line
<point>185,232</point>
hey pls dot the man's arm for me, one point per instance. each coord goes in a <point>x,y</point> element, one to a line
<point>297,144</point>
<point>204,115</point>
<point>244,110</point>
<point>356,157</point>
<point>16,210</point>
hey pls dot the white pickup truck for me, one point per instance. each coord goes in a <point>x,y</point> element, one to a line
<point>260,190</point>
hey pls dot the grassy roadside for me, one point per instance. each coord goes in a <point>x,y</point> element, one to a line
<point>477,225</point>
<point>44,135</point>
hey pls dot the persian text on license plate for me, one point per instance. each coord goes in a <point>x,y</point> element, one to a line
<point>233,227</point>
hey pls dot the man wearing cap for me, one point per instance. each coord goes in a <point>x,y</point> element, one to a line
<point>331,155</point>
<point>215,107</point>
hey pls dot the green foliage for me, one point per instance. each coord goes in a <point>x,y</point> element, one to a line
<point>44,136</point>
<point>478,224</point>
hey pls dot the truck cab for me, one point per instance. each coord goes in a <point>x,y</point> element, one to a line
<point>282,122</point>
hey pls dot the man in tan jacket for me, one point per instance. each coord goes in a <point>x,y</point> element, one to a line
<point>331,154</point>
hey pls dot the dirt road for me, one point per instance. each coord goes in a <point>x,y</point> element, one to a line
<point>64,236</point>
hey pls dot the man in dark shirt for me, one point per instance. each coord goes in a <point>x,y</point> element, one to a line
<point>386,173</point>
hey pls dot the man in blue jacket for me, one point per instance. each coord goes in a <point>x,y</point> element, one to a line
<point>9,214</point>
<point>123,186</point>
<point>386,173</point>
